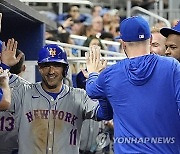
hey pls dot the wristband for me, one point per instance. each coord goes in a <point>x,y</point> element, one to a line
<point>1,94</point>
<point>4,66</point>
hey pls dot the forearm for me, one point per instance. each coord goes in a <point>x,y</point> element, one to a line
<point>91,87</point>
<point>5,93</point>
<point>104,110</point>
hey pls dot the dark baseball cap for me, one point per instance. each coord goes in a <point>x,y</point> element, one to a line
<point>167,31</point>
<point>134,29</point>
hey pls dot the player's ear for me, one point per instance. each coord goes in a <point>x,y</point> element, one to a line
<point>123,45</point>
<point>151,40</point>
<point>39,68</point>
<point>23,68</point>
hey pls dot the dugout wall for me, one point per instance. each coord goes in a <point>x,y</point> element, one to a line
<point>24,24</point>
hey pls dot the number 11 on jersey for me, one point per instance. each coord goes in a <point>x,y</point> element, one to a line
<point>73,135</point>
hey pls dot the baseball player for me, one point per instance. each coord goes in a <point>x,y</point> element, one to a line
<point>8,128</point>
<point>144,91</point>
<point>50,114</point>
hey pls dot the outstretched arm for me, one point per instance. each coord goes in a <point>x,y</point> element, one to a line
<point>5,93</point>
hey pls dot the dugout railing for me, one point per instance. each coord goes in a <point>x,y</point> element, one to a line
<point>32,74</point>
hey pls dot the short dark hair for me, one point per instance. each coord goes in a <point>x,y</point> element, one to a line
<point>93,8</point>
<point>16,69</point>
<point>70,6</point>
<point>88,41</point>
<point>105,35</point>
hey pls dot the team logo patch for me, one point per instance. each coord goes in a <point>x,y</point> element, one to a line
<point>52,51</point>
<point>141,36</point>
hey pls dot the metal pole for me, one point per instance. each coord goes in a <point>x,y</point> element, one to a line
<point>60,8</point>
<point>161,7</point>
<point>137,8</point>
<point>170,17</point>
<point>128,8</point>
<point>156,7</point>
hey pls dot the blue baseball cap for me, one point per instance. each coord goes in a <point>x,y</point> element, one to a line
<point>52,53</point>
<point>167,31</point>
<point>134,29</point>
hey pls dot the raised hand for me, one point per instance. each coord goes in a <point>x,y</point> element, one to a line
<point>94,63</point>
<point>8,55</point>
<point>68,23</point>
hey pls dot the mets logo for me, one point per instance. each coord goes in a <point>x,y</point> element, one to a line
<point>52,51</point>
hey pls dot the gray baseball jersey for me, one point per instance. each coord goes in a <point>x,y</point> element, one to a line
<point>8,129</point>
<point>48,126</point>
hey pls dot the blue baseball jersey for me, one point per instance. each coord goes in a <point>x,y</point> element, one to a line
<point>144,93</point>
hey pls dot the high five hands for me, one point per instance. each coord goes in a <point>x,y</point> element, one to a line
<point>94,62</point>
<point>8,55</point>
